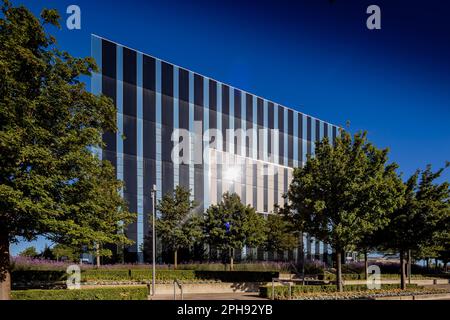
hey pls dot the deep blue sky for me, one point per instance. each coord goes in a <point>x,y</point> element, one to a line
<point>314,56</point>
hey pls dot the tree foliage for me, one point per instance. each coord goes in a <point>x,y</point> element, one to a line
<point>232,225</point>
<point>29,252</point>
<point>50,181</point>
<point>422,222</point>
<point>423,219</point>
<point>178,225</point>
<point>345,192</point>
<point>281,234</point>
<point>60,252</point>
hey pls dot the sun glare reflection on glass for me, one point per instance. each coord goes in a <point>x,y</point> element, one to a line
<point>232,173</point>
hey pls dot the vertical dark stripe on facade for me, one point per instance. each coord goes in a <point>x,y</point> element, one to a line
<point>270,135</point>
<point>300,139</point>
<point>225,116</point>
<point>183,121</point>
<point>249,122</point>
<point>167,126</point>
<point>325,130</point>
<point>109,88</point>
<point>213,105</point>
<point>219,178</point>
<point>317,131</point>
<point>334,134</point>
<point>130,132</point>
<point>290,138</point>
<point>149,133</point>
<point>198,116</point>
<point>243,181</point>
<point>260,122</point>
<point>266,191</point>
<point>213,89</point>
<point>237,120</point>
<point>281,134</point>
<point>275,185</point>
<point>308,136</point>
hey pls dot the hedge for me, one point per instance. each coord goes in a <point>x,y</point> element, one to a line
<point>37,278</point>
<point>237,276</point>
<point>123,293</point>
<point>136,275</point>
<point>282,292</point>
<point>22,276</point>
<point>361,276</point>
<point>345,276</point>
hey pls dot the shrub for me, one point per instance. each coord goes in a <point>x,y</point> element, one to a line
<point>51,278</point>
<point>345,276</point>
<point>23,276</point>
<point>136,275</point>
<point>314,267</point>
<point>182,275</point>
<point>237,276</point>
<point>282,292</point>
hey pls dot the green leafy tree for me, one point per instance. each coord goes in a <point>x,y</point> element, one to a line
<point>29,252</point>
<point>51,183</point>
<point>178,226</point>
<point>430,250</point>
<point>444,253</point>
<point>343,193</point>
<point>281,234</point>
<point>46,253</point>
<point>419,223</point>
<point>231,225</point>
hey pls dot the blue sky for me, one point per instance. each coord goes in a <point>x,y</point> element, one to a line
<point>315,56</point>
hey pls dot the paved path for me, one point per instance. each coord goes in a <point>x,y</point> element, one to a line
<point>213,296</point>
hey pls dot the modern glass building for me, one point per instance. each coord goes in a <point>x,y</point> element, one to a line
<point>177,127</point>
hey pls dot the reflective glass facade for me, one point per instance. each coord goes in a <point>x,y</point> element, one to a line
<point>235,141</point>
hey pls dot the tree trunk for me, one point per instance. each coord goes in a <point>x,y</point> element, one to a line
<point>97,253</point>
<point>175,259</point>
<point>366,266</point>
<point>339,271</point>
<point>402,270</point>
<point>5,276</point>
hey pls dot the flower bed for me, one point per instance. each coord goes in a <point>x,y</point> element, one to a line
<point>23,279</point>
<point>26,263</point>
<point>370,294</point>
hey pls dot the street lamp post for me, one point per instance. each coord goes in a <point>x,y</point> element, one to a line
<point>153,192</point>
